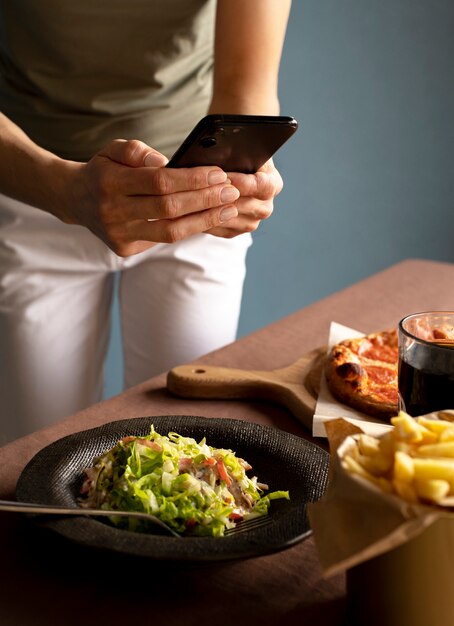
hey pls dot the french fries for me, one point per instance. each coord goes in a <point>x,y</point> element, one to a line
<point>414,460</point>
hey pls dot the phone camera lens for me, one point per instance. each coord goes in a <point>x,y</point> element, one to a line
<point>208,142</point>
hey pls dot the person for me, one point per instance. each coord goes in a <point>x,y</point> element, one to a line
<point>94,98</point>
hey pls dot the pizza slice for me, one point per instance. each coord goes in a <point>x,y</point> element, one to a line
<point>362,373</point>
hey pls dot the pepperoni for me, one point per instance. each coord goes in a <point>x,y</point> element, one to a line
<point>386,394</point>
<point>380,375</point>
<point>377,352</point>
<point>383,382</point>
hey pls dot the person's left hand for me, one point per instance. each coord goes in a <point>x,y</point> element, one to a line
<point>257,192</point>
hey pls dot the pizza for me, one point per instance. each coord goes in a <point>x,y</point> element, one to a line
<point>362,373</point>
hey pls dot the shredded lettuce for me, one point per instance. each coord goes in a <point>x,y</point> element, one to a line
<point>195,488</point>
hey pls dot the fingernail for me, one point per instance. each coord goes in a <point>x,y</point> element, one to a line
<point>227,213</point>
<point>216,176</point>
<point>154,160</point>
<point>228,194</point>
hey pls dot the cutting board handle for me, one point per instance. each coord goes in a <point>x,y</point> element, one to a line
<point>207,381</point>
<point>287,386</point>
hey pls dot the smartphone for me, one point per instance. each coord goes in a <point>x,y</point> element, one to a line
<point>236,143</point>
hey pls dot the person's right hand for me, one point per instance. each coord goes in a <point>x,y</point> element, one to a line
<point>127,198</point>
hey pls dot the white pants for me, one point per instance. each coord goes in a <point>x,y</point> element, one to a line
<point>177,302</point>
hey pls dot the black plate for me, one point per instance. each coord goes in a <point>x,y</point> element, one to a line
<point>279,459</point>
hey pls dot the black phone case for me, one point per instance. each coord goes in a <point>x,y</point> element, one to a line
<point>236,143</point>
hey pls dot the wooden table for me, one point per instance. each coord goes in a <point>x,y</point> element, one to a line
<point>47,580</point>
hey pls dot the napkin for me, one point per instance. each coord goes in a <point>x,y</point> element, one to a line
<point>328,408</point>
<point>354,520</point>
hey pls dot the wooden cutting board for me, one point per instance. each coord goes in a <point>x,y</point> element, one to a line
<point>294,387</point>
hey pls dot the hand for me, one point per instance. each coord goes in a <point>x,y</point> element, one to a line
<point>127,198</point>
<point>257,192</point>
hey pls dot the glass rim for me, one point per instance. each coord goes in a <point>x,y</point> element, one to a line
<point>410,335</point>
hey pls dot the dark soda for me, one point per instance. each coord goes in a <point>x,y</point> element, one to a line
<point>424,388</point>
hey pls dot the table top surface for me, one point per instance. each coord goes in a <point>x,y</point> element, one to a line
<point>51,580</point>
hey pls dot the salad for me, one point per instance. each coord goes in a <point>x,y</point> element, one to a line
<point>195,488</point>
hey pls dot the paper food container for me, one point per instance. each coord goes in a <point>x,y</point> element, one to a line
<point>411,585</point>
<point>398,556</point>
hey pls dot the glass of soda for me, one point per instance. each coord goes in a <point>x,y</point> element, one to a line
<point>426,362</point>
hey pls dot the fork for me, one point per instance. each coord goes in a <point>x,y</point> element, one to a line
<point>249,524</point>
<point>26,507</point>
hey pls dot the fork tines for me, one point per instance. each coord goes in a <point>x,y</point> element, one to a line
<point>249,524</point>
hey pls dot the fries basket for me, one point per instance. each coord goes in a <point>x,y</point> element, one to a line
<point>397,552</point>
<point>411,585</point>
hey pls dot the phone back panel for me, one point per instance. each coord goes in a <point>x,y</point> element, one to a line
<point>235,143</point>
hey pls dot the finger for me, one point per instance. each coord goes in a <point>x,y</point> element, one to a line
<point>129,249</point>
<point>165,180</point>
<point>254,209</point>
<point>172,206</point>
<point>234,227</point>
<point>170,231</point>
<point>264,184</point>
<point>251,213</point>
<point>133,153</point>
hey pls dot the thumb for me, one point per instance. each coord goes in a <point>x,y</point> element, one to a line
<point>133,153</point>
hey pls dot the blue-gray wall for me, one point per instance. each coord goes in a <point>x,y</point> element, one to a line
<point>369,177</point>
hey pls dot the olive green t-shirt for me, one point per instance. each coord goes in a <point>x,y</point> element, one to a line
<point>75,74</point>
